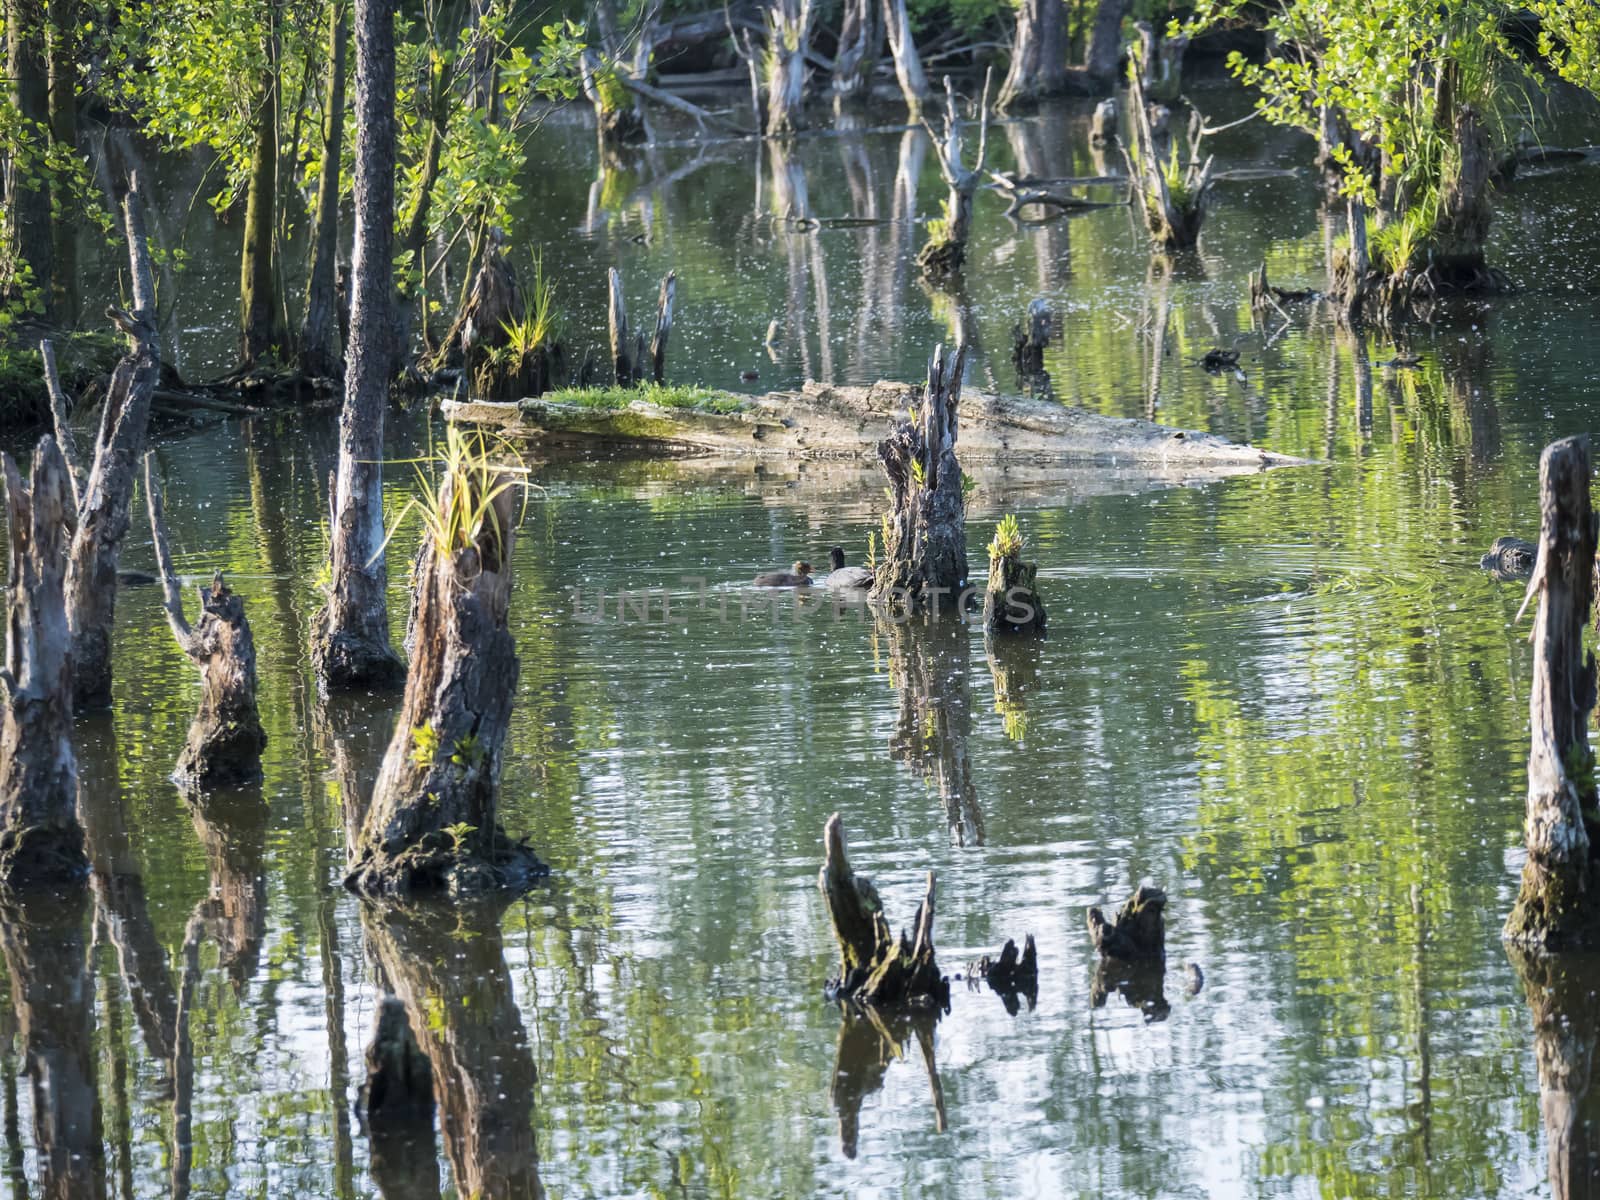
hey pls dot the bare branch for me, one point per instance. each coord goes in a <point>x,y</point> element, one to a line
<point>58,416</point>
<point>171,595</point>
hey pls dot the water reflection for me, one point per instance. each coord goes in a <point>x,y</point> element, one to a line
<point>1014,668</point>
<point>928,663</point>
<point>43,935</point>
<point>1562,992</point>
<point>447,966</point>
<point>869,1041</point>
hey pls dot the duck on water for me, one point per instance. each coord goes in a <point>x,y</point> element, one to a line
<point>798,575</point>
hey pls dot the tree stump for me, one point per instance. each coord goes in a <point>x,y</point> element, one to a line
<point>1137,932</point>
<point>1556,905</point>
<point>433,824</point>
<point>946,248</point>
<point>1014,973</point>
<point>1173,201</point>
<point>925,531</point>
<point>629,365</point>
<point>40,838</point>
<point>876,968</point>
<point>1103,125</point>
<point>1011,602</point>
<point>225,739</point>
<point>1028,342</point>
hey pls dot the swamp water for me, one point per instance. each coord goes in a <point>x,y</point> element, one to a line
<point>1291,699</point>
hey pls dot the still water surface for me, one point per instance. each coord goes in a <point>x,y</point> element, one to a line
<point>1290,699</point>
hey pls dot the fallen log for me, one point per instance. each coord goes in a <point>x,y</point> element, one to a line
<point>823,421</point>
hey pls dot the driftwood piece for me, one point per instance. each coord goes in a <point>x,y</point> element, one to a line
<point>106,496</point>
<point>1556,904</point>
<point>876,968</point>
<point>40,838</point>
<point>1136,932</point>
<point>433,824</point>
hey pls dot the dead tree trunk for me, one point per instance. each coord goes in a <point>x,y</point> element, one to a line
<point>630,367</point>
<point>907,62</point>
<point>40,839</point>
<point>319,328</point>
<point>1038,56</point>
<point>1011,602</point>
<point>788,38</point>
<point>1028,343</point>
<point>1103,125</point>
<point>1556,905</point>
<point>1171,195</point>
<point>946,249</point>
<point>877,969</point>
<point>1160,62</point>
<point>351,646</point>
<point>225,740</point>
<point>860,48</point>
<point>261,328</point>
<point>658,343</point>
<point>925,531</point>
<point>28,219</point>
<point>1105,43</point>
<point>433,824</point>
<point>106,497</point>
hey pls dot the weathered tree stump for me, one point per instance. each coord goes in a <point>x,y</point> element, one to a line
<point>1136,932</point>
<point>106,496</point>
<point>1014,973</point>
<point>1103,125</point>
<point>225,739</point>
<point>1557,903</point>
<point>1028,341</point>
<point>925,531</point>
<point>788,38</point>
<point>1173,199</point>
<point>433,824</point>
<point>40,838</point>
<point>946,248</point>
<point>629,364</point>
<point>876,968</point>
<point>1011,601</point>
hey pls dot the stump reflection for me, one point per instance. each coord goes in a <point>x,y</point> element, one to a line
<point>868,1042</point>
<point>1566,1023</point>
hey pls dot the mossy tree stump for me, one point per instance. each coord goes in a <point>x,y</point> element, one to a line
<point>875,967</point>
<point>40,838</point>
<point>1556,905</point>
<point>225,739</point>
<point>945,251</point>
<point>1173,200</point>
<point>925,531</point>
<point>433,824</point>
<point>1011,601</point>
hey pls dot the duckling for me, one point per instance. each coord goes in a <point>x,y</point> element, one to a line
<point>843,578</point>
<point>799,575</point>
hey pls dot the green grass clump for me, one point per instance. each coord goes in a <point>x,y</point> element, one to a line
<point>663,395</point>
<point>1008,539</point>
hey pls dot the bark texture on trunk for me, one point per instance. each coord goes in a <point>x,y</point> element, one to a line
<point>946,249</point>
<point>1038,55</point>
<point>907,62</point>
<point>448,969</point>
<point>62,47</point>
<point>319,328</point>
<point>351,646</point>
<point>925,532</point>
<point>42,936</point>
<point>1011,601</point>
<point>40,838</point>
<point>788,37</point>
<point>1173,213</point>
<point>434,820</point>
<point>1105,42</point>
<point>106,497</point>
<point>1556,905</point>
<point>860,47</point>
<point>260,311</point>
<point>877,969</point>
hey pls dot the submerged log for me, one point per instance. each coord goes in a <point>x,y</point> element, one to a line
<point>822,421</point>
<point>106,496</point>
<point>225,739</point>
<point>925,531</point>
<point>1136,932</point>
<point>876,968</point>
<point>433,824</point>
<point>40,838</point>
<point>1557,903</point>
<point>1011,602</point>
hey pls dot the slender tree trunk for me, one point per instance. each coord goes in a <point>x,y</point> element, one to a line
<point>1038,55</point>
<point>907,62</point>
<point>860,48</point>
<point>319,331</point>
<point>27,187</point>
<point>40,838</point>
<point>62,52</point>
<point>351,647</point>
<point>1557,906</point>
<point>788,35</point>
<point>260,319</point>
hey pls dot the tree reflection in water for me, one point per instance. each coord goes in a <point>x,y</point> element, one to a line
<point>868,1042</point>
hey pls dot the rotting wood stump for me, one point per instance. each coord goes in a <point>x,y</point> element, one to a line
<point>433,824</point>
<point>41,841</point>
<point>1028,343</point>
<point>1014,973</point>
<point>225,739</point>
<point>946,249</point>
<point>1136,932</point>
<point>875,967</point>
<point>1557,902</point>
<point>925,531</point>
<point>1011,601</point>
<point>628,354</point>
